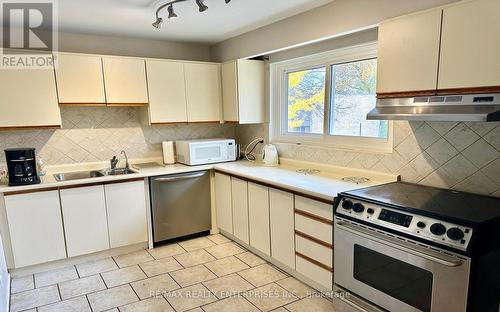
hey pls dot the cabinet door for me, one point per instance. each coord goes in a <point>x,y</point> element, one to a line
<point>282,227</point>
<point>126,204</point>
<point>240,208</point>
<point>251,93</point>
<point>203,92</point>
<point>85,221</point>
<point>35,226</point>
<point>28,98</point>
<point>230,91</point>
<point>408,53</point>
<point>80,79</point>
<point>258,215</point>
<point>125,81</point>
<point>167,92</point>
<point>223,202</point>
<point>470,45</point>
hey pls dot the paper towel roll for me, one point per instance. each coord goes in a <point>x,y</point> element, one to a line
<point>168,153</point>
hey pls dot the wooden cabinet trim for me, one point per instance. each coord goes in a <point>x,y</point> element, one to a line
<point>406,94</point>
<point>10,128</point>
<point>326,201</point>
<point>313,216</point>
<point>39,190</point>
<point>475,90</point>
<point>315,262</point>
<point>313,239</point>
<point>127,104</point>
<point>65,187</point>
<point>123,181</point>
<point>81,104</point>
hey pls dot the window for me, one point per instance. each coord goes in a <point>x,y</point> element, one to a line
<point>323,100</point>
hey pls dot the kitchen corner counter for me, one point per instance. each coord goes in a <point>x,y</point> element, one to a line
<point>324,184</point>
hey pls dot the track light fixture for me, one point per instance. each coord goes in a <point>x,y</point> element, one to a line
<point>171,13</point>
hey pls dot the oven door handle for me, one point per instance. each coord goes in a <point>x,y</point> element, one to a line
<point>398,244</point>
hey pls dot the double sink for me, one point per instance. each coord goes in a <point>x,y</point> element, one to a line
<point>78,175</point>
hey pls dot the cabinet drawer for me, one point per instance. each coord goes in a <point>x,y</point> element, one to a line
<point>319,230</point>
<point>314,250</point>
<point>316,273</point>
<point>314,207</point>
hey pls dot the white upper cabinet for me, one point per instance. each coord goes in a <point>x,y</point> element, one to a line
<point>408,53</point>
<point>80,79</point>
<point>28,98</point>
<point>167,92</point>
<point>125,81</point>
<point>203,92</point>
<point>470,45</point>
<point>243,86</point>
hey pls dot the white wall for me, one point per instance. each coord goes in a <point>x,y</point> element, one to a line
<point>337,18</point>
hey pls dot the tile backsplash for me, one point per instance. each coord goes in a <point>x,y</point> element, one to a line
<point>92,134</point>
<point>457,155</point>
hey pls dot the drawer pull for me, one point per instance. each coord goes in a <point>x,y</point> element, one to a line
<point>313,239</point>
<point>317,263</point>
<point>313,217</point>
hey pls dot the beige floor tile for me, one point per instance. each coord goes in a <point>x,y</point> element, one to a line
<point>130,259</point>
<point>250,259</point>
<point>270,297</point>
<point>190,297</point>
<point>262,274</point>
<point>149,305</point>
<point>112,310</point>
<point>23,283</point>
<point>82,286</point>
<point>154,286</point>
<point>196,243</point>
<point>218,239</point>
<point>226,266</point>
<point>157,267</point>
<point>34,298</point>
<point>96,267</point>
<point>196,310</point>
<point>79,304</point>
<point>123,276</point>
<point>112,298</point>
<point>55,276</point>
<point>193,258</point>
<point>166,251</point>
<point>228,286</point>
<point>314,304</point>
<point>296,287</point>
<point>231,304</point>
<point>192,275</point>
<point>280,309</point>
<point>225,250</point>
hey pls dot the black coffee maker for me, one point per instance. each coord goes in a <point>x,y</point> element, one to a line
<point>21,164</point>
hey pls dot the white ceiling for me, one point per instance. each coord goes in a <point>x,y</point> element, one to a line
<point>134,17</point>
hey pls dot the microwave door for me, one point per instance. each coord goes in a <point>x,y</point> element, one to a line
<point>396,276</point>
<point>207,153</point>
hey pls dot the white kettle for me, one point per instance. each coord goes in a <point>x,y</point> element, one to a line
<point>270,155</point>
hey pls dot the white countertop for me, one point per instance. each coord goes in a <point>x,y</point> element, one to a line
<point>326,184</point>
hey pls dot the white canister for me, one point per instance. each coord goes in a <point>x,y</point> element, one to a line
<point>168,153</point>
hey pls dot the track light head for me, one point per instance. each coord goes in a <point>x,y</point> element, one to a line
<point>171,13</point>
<point>201,5</point>
<point>157,23</point>
<point>227,1</point>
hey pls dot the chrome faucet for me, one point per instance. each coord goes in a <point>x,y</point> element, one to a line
<point>127,166</point>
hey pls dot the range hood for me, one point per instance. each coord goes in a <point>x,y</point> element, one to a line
<point>470,107</point>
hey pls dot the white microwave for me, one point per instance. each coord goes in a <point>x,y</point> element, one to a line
<point>200,152</point>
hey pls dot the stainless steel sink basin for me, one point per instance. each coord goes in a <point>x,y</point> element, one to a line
<point>78,175</point>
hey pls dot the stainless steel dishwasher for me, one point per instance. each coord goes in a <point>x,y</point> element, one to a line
<point>180,205</point>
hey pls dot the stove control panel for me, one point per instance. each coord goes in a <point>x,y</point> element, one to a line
<point>441,232</point>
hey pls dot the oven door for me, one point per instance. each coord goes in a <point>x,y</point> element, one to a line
<point>398,275</point>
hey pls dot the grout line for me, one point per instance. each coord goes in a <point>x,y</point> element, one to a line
<point>86,297</point>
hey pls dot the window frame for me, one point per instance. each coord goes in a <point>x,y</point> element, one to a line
<point>279,101</point>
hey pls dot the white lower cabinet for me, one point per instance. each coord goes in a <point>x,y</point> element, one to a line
<point>85,221</point>
<point>223,202</point>
<point>126,207</point>
<point>35,227</point>
<point>240,209</point>
<point>258,217</point>
<point>314,272</point>
<point>281,205</point>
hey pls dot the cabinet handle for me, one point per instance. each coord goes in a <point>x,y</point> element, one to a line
<point>179,178</point>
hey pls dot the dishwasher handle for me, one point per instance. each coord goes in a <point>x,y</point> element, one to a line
<point>180,177</point>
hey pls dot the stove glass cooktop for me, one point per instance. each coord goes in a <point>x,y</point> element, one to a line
<point>439,202</point>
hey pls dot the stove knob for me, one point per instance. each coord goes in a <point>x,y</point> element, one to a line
<point>358,207</point>
<point>347,204</point>
<point>438,229</point>
<point>370,211</point>
<point>421,225</point>
<point>455,234</point>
